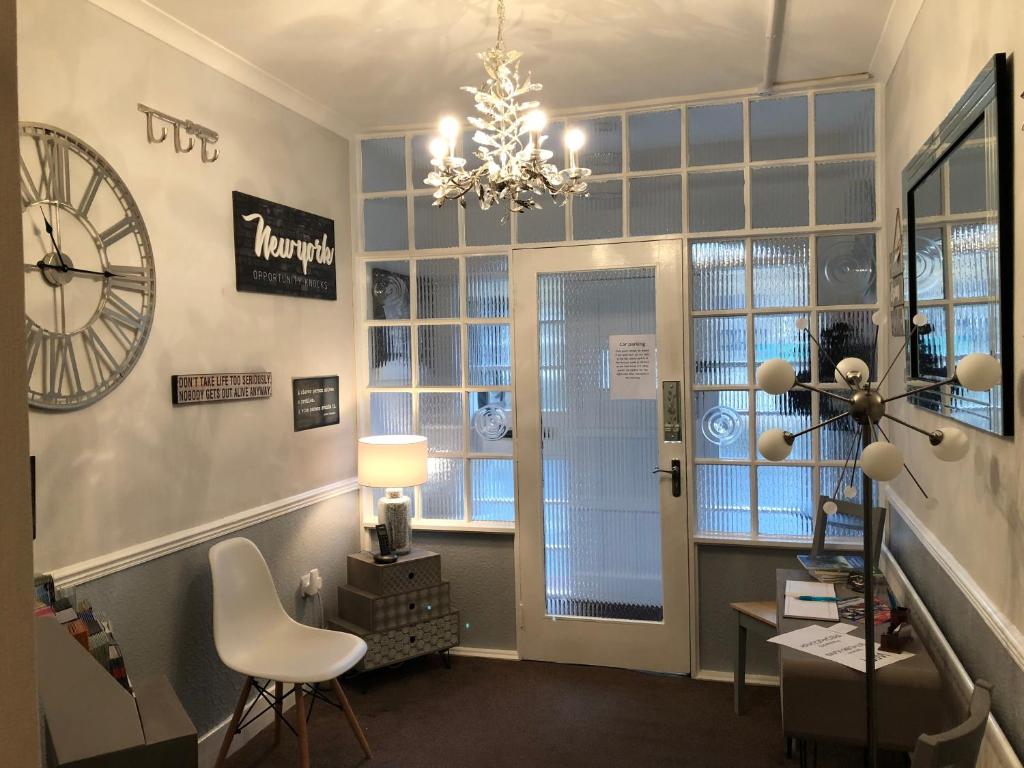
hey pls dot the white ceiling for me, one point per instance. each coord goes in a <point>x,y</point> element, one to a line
<point>399,62</point>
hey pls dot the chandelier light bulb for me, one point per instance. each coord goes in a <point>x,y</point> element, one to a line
<point>575,139</point>
<point>950,444</point>
<point>879,318</point>
<point>830,507</point>
<point>801,323</point>
<point>450,128</point>
<point>775,376</point>
<point>849,491</point>
<point>882,461</point>
<point>438,148</point>
<point>920,320</point>
<point>852,370</point>
<point>535,121</point>
<point>978,372</point>
<point>775,444</point>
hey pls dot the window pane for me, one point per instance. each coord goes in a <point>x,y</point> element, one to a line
<point>845,334</point>
<point>490,422</point>
<point>716,201</point>
<point>969,180</point>
<point>487,286</point>
<point>440,356</point>
<point>839,441</point>
<point>928,195</point>
<point>845,192</point>
<point>383,164</point>
<point>931,278</point>
<point>846,269</point>
<point>437,288</point>
<point>600,214</point>
<point>778,336</point>
<point>486,227</point>
<point>421,159</point>
<point>780,267</point>
<point>933,352</point>
<point>654,140</point>
<point>977,330</point>
<point>390,413</point>
<point>602,152</point>
<point>790,412</point>
<point>974,249</point>
<point>723,498</point>
<point>720,350</point>
<point>555,143</point>
<point>718,275</point>
<point>387,285</point>
<point>834,482</point>
<point>784,504</point>
<point>844,123</point>
<point>385,225</point>
<point>779,196</point>
<point>541,225</point>
<point>778,128</point>
<point>435,227</point>
<point>655,205</point>
<point>489,355</point>
<point>441,420</point>
<point>722,424</point>
<point>390,357</point>
<point>444,490</point>
<point>714,134</point>
<point>492,485</point>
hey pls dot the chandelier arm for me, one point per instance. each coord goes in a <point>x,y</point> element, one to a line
<point>927,387</point>
<point>908,425</point>
<point>829,358</point>
<point>912,475</point>
<point>820,425</point>
<point>820,391</point>
<point>846,465</point>
<point>896,357</point>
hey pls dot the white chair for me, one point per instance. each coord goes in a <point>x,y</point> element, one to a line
<point>255,637</point>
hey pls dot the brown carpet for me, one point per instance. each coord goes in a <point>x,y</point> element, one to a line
<point>495,714</point>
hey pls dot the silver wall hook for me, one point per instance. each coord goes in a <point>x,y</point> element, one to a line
<point>180,135</point>
<point>205,153</point>
<point>185,134</point>
<point>150,133</point>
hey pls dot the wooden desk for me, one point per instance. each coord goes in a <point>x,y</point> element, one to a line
<point>824,701</point>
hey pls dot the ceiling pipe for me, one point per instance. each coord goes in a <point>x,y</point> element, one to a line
<point>776,19</point>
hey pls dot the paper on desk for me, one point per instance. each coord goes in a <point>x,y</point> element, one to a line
<point>827,643</point>
<point>795,608</point>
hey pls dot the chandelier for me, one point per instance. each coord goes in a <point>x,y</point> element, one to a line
<point>514,168</point>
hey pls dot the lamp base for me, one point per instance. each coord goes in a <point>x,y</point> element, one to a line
<point>393,511</point>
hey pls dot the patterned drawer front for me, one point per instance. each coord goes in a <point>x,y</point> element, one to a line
<point>392,611</point>
<point>412,572</point>
<point>398,645</point>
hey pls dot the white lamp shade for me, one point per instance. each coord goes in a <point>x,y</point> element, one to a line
<point>882,461</point>
<point>392,461</point>
<point>775,376</point>
<point>852,368</point>
<point>773,444</point>
<point>978,371</point>
<point>954,445</point>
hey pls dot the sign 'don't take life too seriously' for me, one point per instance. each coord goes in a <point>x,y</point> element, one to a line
<point>282,250</point>
<point>192,388</point>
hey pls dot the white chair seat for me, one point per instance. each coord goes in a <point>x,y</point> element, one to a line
<point>296,653</point>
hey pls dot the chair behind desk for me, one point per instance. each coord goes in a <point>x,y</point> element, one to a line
<point>846,509</point>
<point>959,746</point>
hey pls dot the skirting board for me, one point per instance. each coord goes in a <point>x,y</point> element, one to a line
<point>502,654</point>
<point>719,676</point>
<point>209,743</point>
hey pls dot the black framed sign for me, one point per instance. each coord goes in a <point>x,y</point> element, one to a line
<point>315,402</point>
<point>283,250</point>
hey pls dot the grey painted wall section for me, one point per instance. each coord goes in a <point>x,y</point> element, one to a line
<point>973,641</point>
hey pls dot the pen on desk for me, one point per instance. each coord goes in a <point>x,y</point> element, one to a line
<point>817,599</point>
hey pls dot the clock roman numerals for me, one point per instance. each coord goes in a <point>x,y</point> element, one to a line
<point>89,194</point>
<point>121,318</point>
<point>52,183</point>
<point>115,232</point>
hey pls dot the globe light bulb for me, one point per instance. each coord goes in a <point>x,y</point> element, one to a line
<point>801,323</point>
<point>882,461</point>
<point>852,370</point>
<point>775,376</point>
<point>920,320</point>
<point>775,444</point>
<point>952,444</point>
<point>879,318</point>
<point>849,491</point>
<point>449,127</point>
<point>830,507</point>
<point>535,121</point>
<point>978,372</point>
<point>438,148</point>
<point>575,139</point>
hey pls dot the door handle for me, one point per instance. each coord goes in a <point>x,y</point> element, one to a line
<point>677,476</point>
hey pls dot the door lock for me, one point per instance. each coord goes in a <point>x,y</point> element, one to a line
<point>677,476</point>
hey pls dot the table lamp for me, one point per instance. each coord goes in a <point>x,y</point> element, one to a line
<point>393,462</point>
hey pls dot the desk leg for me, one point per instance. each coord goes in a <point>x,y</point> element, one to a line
<point>740,671</point>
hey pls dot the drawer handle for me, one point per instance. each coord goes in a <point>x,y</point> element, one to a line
<point>412,575</point>
<point>412,638</point>
<point>412,606</point>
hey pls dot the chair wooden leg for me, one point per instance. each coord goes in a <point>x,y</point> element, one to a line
<point>278,710</point>
<point>343,700</point>
<point>235,718</point>
<point>300,718</point>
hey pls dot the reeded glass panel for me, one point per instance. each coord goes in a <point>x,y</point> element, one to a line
<point>931,277</point>
<point>715,201</point>
<point>444,490</point>
<point>599,215</point>
<point>839,441</point>
<point>932,343</point>
<point>437,288</point>
<point>654,140</point>
<point>439,356</point>
<point>602,518</point>
<point>778,336</point>
<point>721,428</point>
<point>844,122</point>
<point>779,196</point>
<point>390,413</point>
<point>490,422</point>
<point>784,501</point>
<point>387,289</point>
<point>655,205</point>
<point>486,227</point>
<point>489,355</point>
<point>492,490</point>
<point>487,286</point>
<point>714,134</point>
<point>435,227</point>
<point>845,334</point>
<point>845,192</point>
<point>834,482</point>
<point>846,269</point>
<point>718,275</point>
<point>720,350</point>
<point>441,420</point>
<point>602,152</point>
<point>390,356</point>
<point>780,272</point>
<point>791,412</point>
<point>974,249</point>
<point>977,329</point>
<point>778,128</point>
<point>723,498</point>
<point>383,164</point>
<point>385,225</point>
<point>543,225</point>
<point>421,159</point>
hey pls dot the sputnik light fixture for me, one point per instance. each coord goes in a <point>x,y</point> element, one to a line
<point>879,458</point>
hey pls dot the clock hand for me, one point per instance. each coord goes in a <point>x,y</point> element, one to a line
<point>56,248</point>
<point>64,268</point>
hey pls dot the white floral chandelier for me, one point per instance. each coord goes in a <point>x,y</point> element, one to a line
<point>514,169</point>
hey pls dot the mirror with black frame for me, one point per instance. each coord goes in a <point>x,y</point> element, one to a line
<point>958,193</point>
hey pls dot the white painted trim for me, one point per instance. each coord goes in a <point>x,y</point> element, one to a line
<point>1008,634</point>
<point>898,24</point>
<point>722,676</point>
<point>209,742</point>
<point>164,27</point>
<point>104,565</point>
<point>504,654</point>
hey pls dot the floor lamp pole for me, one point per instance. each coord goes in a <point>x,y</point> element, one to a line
<point>871,752</point>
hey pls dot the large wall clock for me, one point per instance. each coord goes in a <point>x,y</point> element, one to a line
<point>90,283</point>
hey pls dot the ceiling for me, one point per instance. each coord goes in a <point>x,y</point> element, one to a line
<point>385,63</point>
